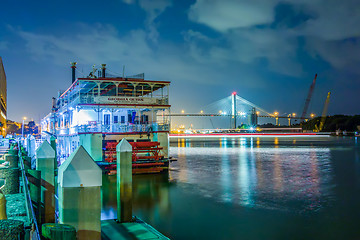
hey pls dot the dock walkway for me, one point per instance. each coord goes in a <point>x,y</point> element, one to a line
<point>110,229</point>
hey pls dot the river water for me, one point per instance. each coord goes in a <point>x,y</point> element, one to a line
<point>251,188</point>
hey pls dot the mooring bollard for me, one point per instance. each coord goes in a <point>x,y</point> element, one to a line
<point>2,201</point>
<point>79,194</point>
<point>11,229</point>
<point>14,152</point>
<point>13,160</point>
<point>31,150</point>
<point>11,176</point>
<point>45,155</point>
<point>124,181</point>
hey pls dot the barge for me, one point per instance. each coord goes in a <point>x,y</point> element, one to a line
<point>100,110</point>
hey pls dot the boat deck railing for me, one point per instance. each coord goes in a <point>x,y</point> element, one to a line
<point>114,128</point>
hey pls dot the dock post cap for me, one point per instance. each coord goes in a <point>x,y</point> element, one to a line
<point>45,150</point>
<point>79,170</point>
<point>124,146</point>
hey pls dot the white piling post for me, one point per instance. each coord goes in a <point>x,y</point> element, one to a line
<point>124,181</point>
<point>45,155</point>
<point>31,149</point>
<point>79,193</point>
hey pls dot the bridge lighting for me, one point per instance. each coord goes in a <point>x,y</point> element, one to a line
<point>224,113</point>
<point>182,111</point>
<point>234,93</point>
<point>276,113</point>
<point>201,111</point>
<point>220,112</point>
<point>257,113</point>
<point>294,114</point>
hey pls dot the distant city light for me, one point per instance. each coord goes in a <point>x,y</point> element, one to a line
<point>294,114</point>
<point>201,111</point>
<point>182,111</point>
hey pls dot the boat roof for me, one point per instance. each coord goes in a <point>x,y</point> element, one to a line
<point>161,84</point>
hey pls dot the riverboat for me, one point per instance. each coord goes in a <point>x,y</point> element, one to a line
<point>99,111</point>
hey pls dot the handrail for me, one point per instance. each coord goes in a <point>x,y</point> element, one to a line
<point>28,201</point>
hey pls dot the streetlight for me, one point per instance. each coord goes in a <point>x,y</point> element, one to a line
<point>22,128</point>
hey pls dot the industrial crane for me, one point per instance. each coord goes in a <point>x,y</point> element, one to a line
<point>307,102</point>
<point>323,116</point>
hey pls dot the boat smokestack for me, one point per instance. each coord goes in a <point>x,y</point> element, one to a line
<point>53,104</point>
<point>73,67</point>
<point>103,68</point>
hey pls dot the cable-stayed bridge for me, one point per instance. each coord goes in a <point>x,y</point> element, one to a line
<point>236,107</point>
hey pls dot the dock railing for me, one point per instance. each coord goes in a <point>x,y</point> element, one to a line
<point>28,202</point>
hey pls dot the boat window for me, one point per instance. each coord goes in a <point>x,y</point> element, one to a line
<point>125,89</point>
<point>116,119</point>
<point>107,89</point>
<point>88,89</point>
<point>122,119</point>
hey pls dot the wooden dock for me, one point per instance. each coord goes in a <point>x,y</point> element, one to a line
<point>138,229</point>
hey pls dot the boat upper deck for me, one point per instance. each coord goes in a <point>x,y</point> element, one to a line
<point>120,91</point>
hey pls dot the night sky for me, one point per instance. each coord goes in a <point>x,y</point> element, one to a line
<point>268,51</point>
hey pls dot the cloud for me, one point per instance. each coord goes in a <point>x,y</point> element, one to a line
<point>343,55</point>
<point>153,9</point>
<point>103,44</point>
<point>333,20</point>
<point>226,15</point>
<point>249,28</point>
<point>129,1</point>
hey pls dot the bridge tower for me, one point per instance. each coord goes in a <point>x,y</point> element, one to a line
<point>253,118</point>
<point>233,110</point>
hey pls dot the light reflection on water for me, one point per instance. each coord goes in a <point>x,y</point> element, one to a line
<point>286,178</point>
<point>244,188</point>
